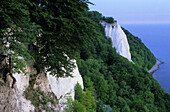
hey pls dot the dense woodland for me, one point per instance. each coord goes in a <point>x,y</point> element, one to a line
<point>141,55</point>
<point>48,32</point>
<point>114,81</point>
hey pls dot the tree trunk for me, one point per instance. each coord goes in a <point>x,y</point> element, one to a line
<point>10,73</point>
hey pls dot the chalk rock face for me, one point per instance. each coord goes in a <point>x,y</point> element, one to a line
<point>119,39</point>
<point>61,87</point>
<point>64,86</point>
<point>13,100</point>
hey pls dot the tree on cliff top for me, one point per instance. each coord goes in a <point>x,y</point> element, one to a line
<point>63,30</point>
<point>108,19</point>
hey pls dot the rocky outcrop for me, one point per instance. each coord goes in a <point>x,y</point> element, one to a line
<point>155,67</point>
<point>14,99</point>
<point>64,86</point>
<point>119,39</point>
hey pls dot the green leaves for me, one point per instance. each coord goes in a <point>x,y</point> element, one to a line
<point>17,32</point>
<point>141,55</point>
<point>49,32</point>
<point>126,87</point>
<point>85,99</point>
<point>64,30</point>
<point>108,19</point>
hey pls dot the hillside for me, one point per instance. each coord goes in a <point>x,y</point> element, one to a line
<point>141,55</point>
<point>117,82</point>
<point>39,43</point>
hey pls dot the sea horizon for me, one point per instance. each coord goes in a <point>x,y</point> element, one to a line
<point>140,23</point>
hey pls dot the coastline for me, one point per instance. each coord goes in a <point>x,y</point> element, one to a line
<point>155,67</point>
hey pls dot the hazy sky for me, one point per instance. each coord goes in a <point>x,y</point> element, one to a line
<point>134,11</point>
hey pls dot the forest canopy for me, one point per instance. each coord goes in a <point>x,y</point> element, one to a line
<point>48,32</point>
<point>119,85</point>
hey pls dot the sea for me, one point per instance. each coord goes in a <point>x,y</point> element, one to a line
<point>157,38</point>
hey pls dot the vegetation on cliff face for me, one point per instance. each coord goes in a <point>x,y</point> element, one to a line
<point>122,85</point>
<point>16,31</point>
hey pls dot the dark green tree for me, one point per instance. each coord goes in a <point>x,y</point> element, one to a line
<point>78,107</point>
<point>64,30</point>
<point>108,19</point>
<point>78,93</point>
<point>89,101</point>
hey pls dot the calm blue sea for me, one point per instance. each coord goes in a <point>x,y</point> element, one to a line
<point>157,38</point>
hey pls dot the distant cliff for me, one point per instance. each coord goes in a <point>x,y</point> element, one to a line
<point>119,39</point>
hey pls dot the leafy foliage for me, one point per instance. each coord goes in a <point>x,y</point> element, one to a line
<point>64,30</point>
<point>108,19</point>
<point>125,86</point>
<point>49,32</point>
<point>16,32</point>
<point>84,101</point>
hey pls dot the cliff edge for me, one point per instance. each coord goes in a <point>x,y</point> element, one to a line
<point>119,39</point>
<point>37,91</point>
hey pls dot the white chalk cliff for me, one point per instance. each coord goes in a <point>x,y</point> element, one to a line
<point>62,86</point>
<point>119,39</point>
<point>48,84</point>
